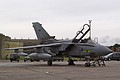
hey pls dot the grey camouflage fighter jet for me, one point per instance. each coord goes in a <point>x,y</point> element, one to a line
<point>77,47</point>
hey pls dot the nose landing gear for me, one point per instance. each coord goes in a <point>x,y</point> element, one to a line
<point>99,62</point>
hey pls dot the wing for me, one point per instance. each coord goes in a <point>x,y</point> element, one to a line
<point>50,45</point>
<point>36,46</point>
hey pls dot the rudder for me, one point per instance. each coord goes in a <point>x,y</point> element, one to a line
<point>40,32</point>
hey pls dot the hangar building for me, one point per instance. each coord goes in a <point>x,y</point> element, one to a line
<point>7,42</point>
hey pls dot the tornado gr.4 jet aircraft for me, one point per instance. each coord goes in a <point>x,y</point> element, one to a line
<point>77,47</point>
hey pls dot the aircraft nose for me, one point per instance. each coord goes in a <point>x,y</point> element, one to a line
<point>107,50</point>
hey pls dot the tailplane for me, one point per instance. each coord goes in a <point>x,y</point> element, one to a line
<point>41,33</point>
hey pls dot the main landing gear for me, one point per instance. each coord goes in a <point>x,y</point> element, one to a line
<point>71,62</point>
<point>49,62</point>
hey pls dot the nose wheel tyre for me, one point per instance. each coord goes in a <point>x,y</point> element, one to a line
<point>87,64</point>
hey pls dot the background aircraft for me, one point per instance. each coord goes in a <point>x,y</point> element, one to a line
<point>77,47</point>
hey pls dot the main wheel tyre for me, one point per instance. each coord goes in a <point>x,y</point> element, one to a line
<point>118,59</point>
<point>109,59</point>
<point>49,62</point>
<point>10,60</point>
<point>31,60</point>
<point>71,62</point>
<point>24,60</point>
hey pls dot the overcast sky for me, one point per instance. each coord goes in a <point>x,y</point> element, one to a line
<point>62,18</point>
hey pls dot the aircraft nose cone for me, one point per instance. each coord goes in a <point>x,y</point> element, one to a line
<point>107,50</point>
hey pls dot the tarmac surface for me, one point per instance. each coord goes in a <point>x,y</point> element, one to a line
<point>59,71</point>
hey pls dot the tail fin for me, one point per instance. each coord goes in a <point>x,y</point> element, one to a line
<point>41,32</point>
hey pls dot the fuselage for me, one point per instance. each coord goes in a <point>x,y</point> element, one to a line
<point>81,49</point>
<point>77,49</point>
<point>92,50</point>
